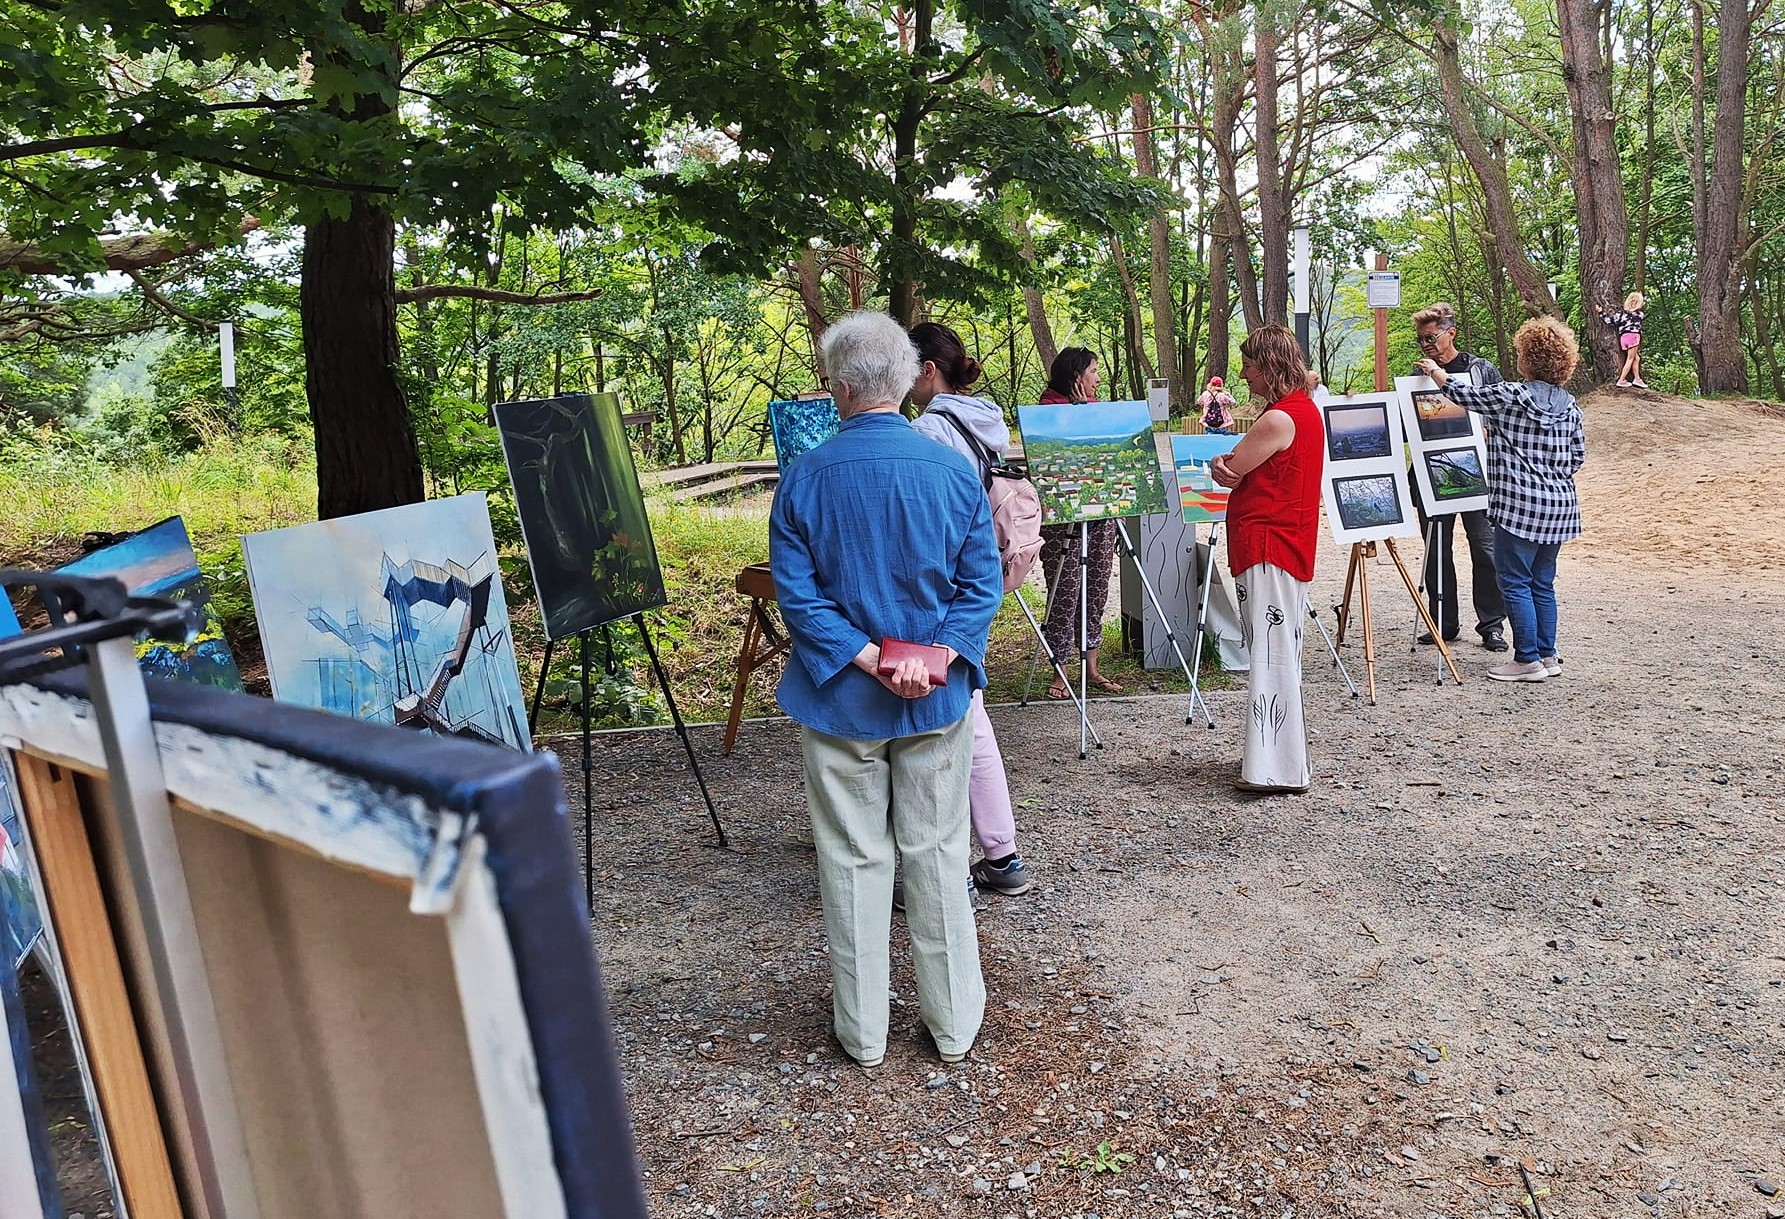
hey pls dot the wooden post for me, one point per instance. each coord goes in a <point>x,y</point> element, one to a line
<point>1381,338</point>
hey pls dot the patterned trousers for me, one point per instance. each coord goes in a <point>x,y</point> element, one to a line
<point>1272,610</point>
<point>1059,565</point>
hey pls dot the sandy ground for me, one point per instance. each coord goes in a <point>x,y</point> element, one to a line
<point>1509,923</point>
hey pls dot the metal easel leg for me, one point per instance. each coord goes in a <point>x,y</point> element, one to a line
<point>1041,645</point>
<point>1056,664</point>
<point>1331,650</point>
<point>675,716</point>
<point>1170,635</point>
<point>545,667</point>
<point>1207,578</point>
<point>1084,635</point>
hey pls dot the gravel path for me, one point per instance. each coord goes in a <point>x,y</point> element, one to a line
<point>1535,923</point>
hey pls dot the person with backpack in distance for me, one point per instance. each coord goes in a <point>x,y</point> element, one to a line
<point>1629,321</point>
<point>975,428</point>
<point>1073,378</point>
<point>1216,405</point>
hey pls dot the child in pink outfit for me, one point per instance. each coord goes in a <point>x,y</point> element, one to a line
<point>1628,320</point>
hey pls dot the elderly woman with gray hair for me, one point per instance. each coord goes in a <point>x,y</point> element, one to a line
<point>882,534</point>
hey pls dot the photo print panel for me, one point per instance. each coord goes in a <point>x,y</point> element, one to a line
<point>1202,498</point>
<point>801,425</point>
<point>582,511</point>
<point>394,616</point>
<point>158,562</point>
<point>1364,485</point>
<point>1357,432</point>
<point>1440,433</point>
<point>1092,461</point>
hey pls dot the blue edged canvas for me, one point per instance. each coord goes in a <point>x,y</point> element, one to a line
<point>159,562</point>
<point>395,616</point>
<point>801,426</point>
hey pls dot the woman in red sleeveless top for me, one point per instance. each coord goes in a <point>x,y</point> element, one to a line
<point>1273,529</point>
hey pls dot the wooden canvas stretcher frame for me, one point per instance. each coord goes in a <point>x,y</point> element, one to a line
<point>383,998</point>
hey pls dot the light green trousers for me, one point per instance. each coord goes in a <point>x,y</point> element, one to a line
<point>868,798</point>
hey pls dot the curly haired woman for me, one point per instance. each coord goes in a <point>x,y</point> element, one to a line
<point>1535,448</point>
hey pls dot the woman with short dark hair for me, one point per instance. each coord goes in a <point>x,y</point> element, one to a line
<point>1535,446</point>
<point>1073,378</point>
<point>1273,530</point>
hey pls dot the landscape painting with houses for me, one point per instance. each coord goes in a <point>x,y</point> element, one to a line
<point>1092,460</point>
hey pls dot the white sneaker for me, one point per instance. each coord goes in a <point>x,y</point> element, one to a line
<point>1622,384</point>
<point>1514,670</point>
<point>1552,665</point>
<point>1639,383</point>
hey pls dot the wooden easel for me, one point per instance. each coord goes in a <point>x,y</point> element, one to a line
<point>762,642</point>
<point>1357,575</point>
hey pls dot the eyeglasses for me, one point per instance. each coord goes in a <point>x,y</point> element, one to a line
<point>1426,340</point>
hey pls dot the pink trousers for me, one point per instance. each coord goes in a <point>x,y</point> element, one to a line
<point>988,792</point>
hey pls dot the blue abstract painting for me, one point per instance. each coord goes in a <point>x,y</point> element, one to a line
<point>158,562</point>
<point>394,616</point>
<point>800,426</point>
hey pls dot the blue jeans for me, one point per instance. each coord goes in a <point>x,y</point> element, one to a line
<point>1528,584</point>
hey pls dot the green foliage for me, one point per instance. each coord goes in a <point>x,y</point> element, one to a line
<point>1102,1160</point>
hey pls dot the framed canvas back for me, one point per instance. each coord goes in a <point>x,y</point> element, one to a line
<point>389,964</point>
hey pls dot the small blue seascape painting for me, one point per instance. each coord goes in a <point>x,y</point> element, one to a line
<point>394,616</point>
<point>800,426</point>
<point>158,562</point>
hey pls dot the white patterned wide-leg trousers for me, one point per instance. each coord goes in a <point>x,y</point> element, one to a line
<point>1273,608</point>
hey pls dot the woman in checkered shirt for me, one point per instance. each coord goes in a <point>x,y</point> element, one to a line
<point>1535,447</point>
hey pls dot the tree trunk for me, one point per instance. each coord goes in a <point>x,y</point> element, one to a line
<point>1035,303</point>
<point>1165,339</point>
<point>1598,175</point>
<point>903,301</point>
<point>1220,312</point>
<point>1131,324</point>
<point>1273,208</point>
<point>366,452</point>
<point>1722,357</point>
<point>806,276</point>
<point>1490,172</point>
<point>1229,87</point>
<point>1646,182</point>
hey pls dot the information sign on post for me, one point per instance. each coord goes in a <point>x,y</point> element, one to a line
<point>1384,290</point>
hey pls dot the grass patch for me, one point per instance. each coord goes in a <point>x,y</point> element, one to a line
<point>57,491</point>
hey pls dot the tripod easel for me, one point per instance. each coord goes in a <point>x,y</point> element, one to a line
<point>1357,575</point>
<point>585,639</point>
<point>1082,695</point>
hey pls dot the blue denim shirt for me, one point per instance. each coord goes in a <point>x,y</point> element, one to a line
<point>881,532</point>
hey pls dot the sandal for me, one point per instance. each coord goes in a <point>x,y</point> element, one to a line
<point>1106,685</point>
<point>1058,693</point>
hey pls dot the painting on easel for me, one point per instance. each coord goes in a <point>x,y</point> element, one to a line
<point>1092,461</point>
<point>582,511</point>
<point>1199,495</point>
<point>800,425</point>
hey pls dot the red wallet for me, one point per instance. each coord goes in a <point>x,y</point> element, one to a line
<point>933,655</point>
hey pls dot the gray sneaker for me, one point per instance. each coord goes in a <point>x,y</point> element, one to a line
<point>1009,878</point>
<point>1514,670</point>
<point>1552,665</point>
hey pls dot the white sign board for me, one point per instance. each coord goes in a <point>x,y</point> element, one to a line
<point>1383,290</point>
<point>1449,448</point>
<point>1365,481</point>
<point>1159,399</point>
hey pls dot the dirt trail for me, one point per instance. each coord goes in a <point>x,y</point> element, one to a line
<point>1508,922</point>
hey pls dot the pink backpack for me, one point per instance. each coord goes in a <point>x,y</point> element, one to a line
<point>1016,510</point>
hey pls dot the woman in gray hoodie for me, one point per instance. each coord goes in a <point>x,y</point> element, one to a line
<point>946,373</point>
